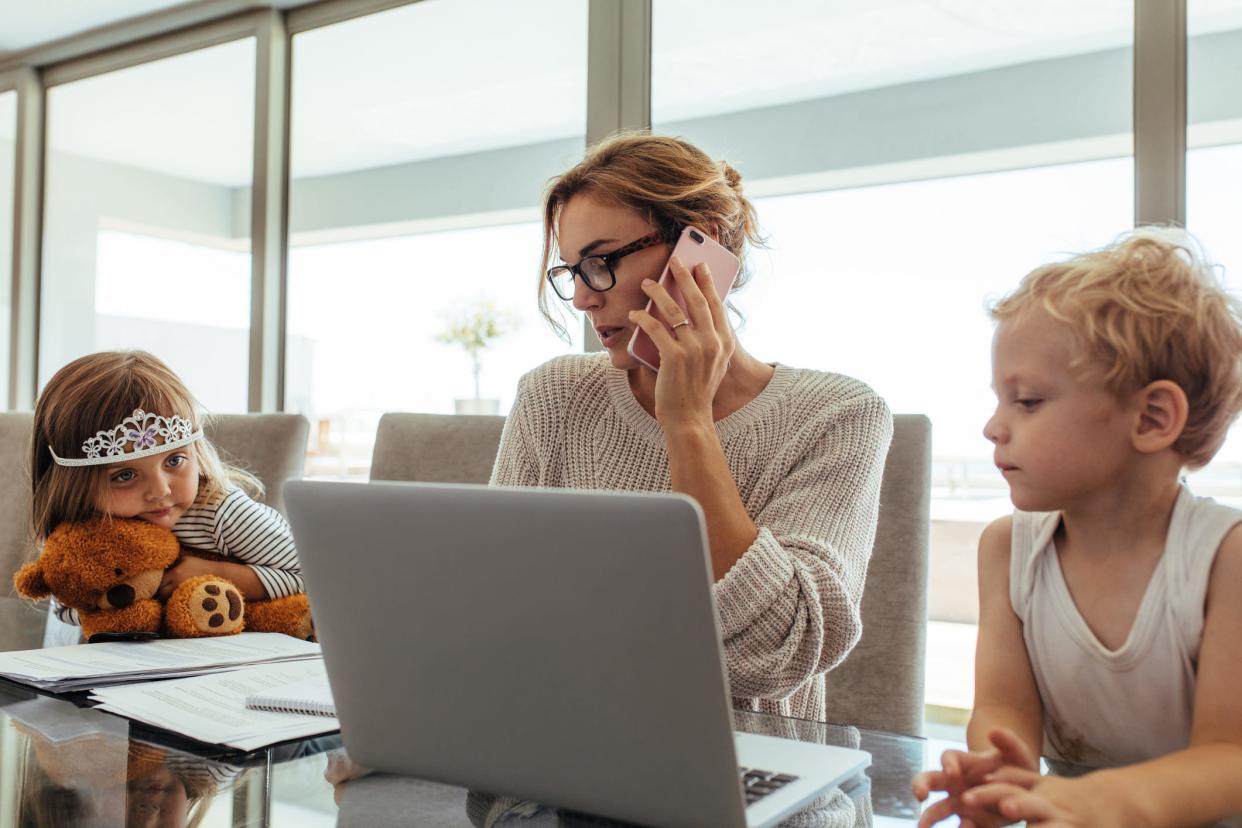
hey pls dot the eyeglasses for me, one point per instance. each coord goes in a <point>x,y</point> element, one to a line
<point>596,271</point>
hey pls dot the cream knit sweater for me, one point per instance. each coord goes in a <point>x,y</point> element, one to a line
<point>807,455</point>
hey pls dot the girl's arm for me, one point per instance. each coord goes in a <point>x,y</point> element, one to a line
<point>1196,786</point>
<point>252,533</point>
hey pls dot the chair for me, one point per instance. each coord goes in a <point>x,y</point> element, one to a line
<point>880,684</point>
<point>272,447</point>
<point>21,623</point>
<point>436,448</point>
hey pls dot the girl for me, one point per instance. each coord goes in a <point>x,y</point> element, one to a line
<point>117,433</point>
<point>1110,631</point>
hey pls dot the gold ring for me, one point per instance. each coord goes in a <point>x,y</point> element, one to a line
<point>682,322</point>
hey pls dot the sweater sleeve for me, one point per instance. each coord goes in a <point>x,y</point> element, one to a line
<point>517,463</point>
<point>258,536</point>
<point>789,607</point>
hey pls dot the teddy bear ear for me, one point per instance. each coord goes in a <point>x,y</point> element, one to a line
<point>29,582</point>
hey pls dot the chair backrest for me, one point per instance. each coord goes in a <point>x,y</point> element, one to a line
<point>880,684</point>
<point>272,447</point>
<point>21,623</point>
<point>436,448</point>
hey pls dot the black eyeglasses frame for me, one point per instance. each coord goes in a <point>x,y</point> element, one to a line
<point>609,259</point>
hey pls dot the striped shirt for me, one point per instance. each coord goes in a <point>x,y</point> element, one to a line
<point>240,527</point>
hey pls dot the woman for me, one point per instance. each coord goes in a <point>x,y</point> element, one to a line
<point>786,463</point>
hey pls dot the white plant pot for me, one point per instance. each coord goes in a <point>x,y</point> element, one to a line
<point>473,406</point>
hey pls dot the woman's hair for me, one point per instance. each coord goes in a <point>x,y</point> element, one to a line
<point>1149,307</point>
<point>667,181</point>
<point>95,393</point>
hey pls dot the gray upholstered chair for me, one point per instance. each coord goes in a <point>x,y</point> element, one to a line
<point>21,623</point>
<point>272,447</point>
<point>880,684</point>
<point>436,448</point>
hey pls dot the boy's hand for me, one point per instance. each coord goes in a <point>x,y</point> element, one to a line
<point>963,770</point>
<point>1044,801</point>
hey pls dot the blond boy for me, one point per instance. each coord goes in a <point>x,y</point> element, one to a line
<point>1110,634</point>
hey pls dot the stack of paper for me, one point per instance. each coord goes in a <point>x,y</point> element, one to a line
<point>61,669</point>
<point>213,708</point>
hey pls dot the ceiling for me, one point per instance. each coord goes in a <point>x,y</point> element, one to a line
<point>446,77</point>
<point>29,23</point>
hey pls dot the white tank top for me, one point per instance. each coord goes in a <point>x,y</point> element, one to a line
<point>1104,708</point>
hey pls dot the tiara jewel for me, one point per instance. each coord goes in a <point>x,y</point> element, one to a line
<point>137,436</point>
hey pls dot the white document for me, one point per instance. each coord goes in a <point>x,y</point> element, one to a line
<point>213,708</point>
<point>91,665</point>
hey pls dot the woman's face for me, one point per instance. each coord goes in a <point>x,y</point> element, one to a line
<point>589,227</point>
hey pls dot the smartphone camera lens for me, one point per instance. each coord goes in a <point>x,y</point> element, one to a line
<point>694,234</point>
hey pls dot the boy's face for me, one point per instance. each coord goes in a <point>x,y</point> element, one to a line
<point>1061,438</point>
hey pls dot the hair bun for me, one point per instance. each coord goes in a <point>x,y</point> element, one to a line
<point>731,175</point>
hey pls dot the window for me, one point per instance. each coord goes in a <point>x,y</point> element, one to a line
<point>1214,179</point>
<point>146,233</point>
<point>902,183</point>
<point>417,170</point>
<point>8,156</point>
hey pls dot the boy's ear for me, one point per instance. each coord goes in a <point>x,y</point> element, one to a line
<point>1162,410</point>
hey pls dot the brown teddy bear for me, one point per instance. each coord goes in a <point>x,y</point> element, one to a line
<point>108,569</point>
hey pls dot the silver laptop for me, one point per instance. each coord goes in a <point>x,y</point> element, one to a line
<point>553,645</point>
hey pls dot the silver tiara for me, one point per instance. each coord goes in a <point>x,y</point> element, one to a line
<point>137,436</point>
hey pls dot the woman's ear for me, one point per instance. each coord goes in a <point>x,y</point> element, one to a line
<point>1162,411</point>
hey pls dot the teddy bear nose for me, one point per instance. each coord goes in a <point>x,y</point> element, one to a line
<point>121,595</point>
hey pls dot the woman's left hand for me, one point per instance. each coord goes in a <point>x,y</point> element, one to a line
<point>693,357</point>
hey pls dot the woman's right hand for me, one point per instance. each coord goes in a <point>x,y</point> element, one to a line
<point>962,770</point>
<point>342,770</point>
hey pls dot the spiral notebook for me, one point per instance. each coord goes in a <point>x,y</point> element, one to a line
<point>311,696</point>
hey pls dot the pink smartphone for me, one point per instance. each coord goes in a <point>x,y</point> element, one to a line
<point>693,247</point>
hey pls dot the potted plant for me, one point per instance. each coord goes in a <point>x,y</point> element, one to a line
<point>474,328</point>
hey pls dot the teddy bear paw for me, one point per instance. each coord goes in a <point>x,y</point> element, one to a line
<point>217,607</point>
<point>206,605</point>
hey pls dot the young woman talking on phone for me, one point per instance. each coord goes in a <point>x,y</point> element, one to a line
<point>785,462</point>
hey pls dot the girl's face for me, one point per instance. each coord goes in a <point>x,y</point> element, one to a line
<point>1059,437</point>
<point>157,489</point>
<point>590,227</point>
<point>156,800</point>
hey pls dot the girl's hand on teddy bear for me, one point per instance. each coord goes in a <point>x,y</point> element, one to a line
<point>191,566</point>
<point>185,568</point>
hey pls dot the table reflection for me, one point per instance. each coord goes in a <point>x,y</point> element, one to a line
<point>81,767</point>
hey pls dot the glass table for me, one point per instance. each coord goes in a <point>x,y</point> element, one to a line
<point>65,764</point>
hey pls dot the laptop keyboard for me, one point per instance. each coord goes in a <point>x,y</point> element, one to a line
<point>759,783</point>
